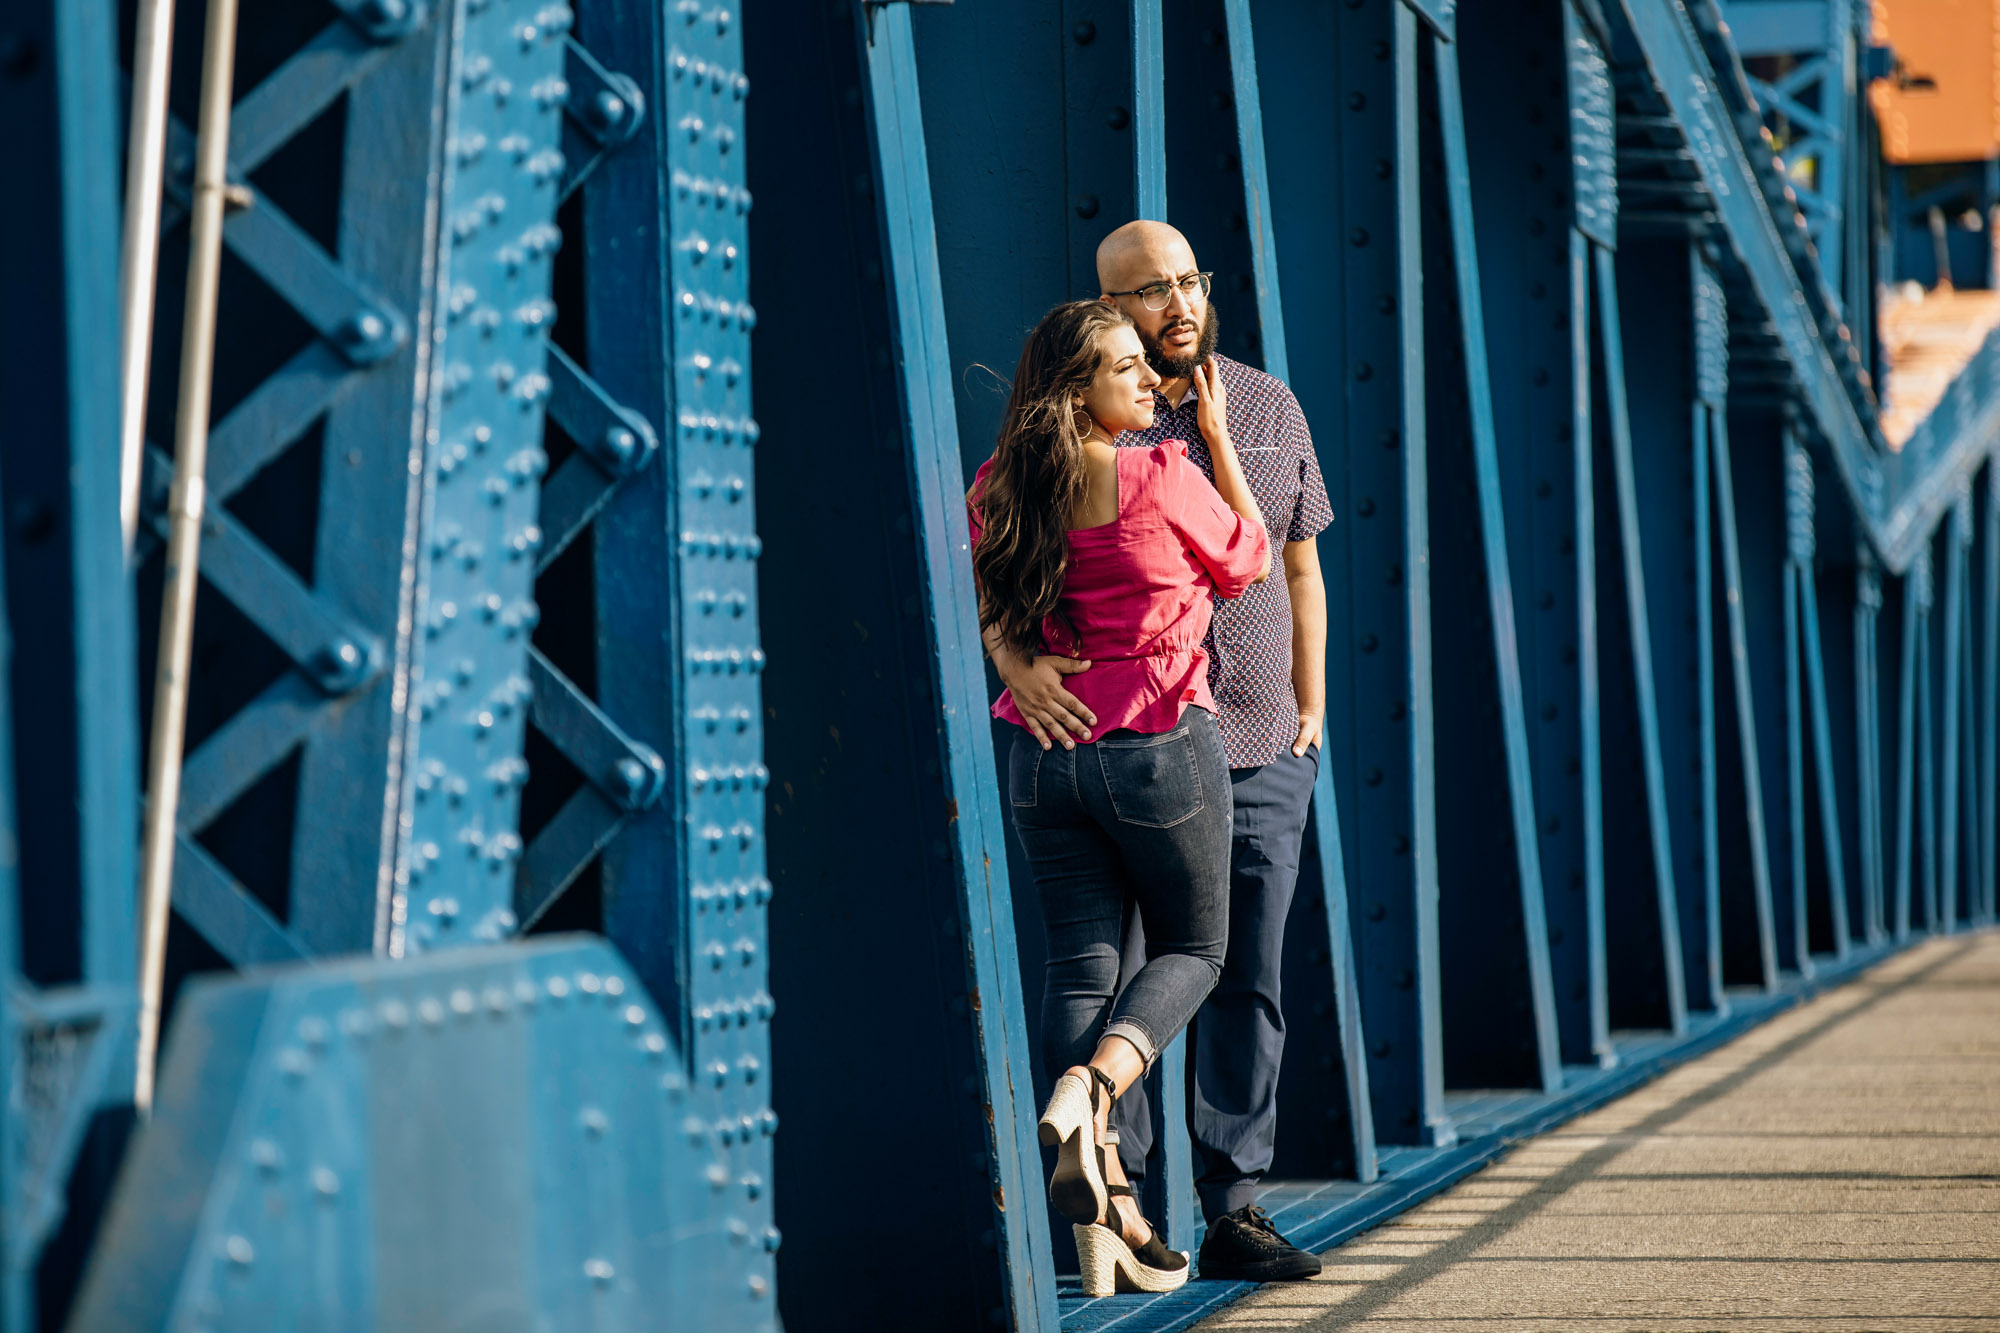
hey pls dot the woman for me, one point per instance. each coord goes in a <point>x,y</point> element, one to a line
<point>1112,555</point>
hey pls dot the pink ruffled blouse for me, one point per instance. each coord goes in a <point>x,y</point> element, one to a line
<point>1140,591</point>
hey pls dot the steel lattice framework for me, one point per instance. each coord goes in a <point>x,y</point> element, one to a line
<point>1660,691</point>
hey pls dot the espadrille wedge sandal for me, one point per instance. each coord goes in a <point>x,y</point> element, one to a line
<point>1110,1264</point>
<point>1076,1187</point>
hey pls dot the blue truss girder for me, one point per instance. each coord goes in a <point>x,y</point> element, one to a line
<point>422,680</point>
<point>1681,69</point>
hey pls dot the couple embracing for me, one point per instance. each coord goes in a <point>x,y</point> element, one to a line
<point>1149,590</point>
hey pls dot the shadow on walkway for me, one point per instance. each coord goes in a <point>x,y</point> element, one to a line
<point>1836,1168</point>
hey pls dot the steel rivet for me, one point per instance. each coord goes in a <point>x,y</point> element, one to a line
<point>268,1159</point>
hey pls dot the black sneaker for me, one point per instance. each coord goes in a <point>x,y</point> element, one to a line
<point>1243,1246</point>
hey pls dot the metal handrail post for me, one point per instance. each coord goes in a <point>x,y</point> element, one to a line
<point>170,679</point>
<point>139,256</point>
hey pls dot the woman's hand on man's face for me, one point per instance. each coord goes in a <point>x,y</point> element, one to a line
<point>1211,403</point>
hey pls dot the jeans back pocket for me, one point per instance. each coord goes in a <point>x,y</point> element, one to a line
<point>1024,773</point>
<point>1153,781</point>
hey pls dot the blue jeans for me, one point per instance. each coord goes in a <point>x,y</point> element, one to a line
<point>1239,1036</point>
<point>1131,817</point>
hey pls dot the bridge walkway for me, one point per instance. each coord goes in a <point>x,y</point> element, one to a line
<point>1837,1168</point>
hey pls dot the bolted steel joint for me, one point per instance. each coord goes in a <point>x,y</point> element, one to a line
<point>368,335</point>
<point>638,780</point>
<point>343,664</point>
<point>625,446</point>
<point>613,113</point>
<point>384,20</point>
<point>1868,585</point>
<point>1799,505</point>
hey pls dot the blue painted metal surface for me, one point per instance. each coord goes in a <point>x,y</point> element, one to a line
<point>1805,58</point>
<point>291,1175</point>
<point>1540,1045</point>
<point>480,647</point>
<point>67,778</point>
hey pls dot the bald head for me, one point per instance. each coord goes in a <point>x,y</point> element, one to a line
<point>1142,252</point>
<point>1179,335</point>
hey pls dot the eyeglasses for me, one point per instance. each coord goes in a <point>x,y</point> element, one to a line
<point>1156,295</point>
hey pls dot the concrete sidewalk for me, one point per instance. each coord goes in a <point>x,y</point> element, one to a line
<point>1837,1168</point>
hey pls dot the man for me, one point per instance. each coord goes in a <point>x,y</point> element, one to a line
<point>1267,670</point>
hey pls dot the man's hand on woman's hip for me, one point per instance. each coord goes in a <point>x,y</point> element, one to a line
<point>1046,706</point>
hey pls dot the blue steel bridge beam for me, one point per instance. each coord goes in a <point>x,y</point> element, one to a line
<point>1347,190</point>
<point>1593,181</point>
<point>1535,191</point>
<point>1709,319</point>
<point>1083,83</point>
<point>1868,730</point>
<point>1915,828</point>
<point>1817,99</point>
<point>1005,255</point>
<point>67,772</point>
<point>936,483</point>
<point>1958,802</point>
<point>888,849</point>
<point>1344,193</point>
<point>1664,35</point>
<point>1333,901</point>
<point>651,688</point>
<point>1929,668</point>
<point>1806,656</point>
<point>1755,431</point>
<point>1224,200</point>
<point>69,593</point>
<point>1989,694</point>
<point>1666,900</point>
<point>1542,1043</point>
<point>344,860</point>
<point>1749,939</point>
<point>345,622</point>
<point>1660,926</point>
<point>429,454</point>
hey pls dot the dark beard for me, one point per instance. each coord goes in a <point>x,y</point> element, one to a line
<point>1182,367</point>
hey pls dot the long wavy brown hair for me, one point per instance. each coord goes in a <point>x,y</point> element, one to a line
<point>1038,477</point>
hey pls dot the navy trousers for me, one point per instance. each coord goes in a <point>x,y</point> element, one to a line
<point>1237,1039</point>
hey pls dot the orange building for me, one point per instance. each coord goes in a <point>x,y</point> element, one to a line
<point>1943,102</point>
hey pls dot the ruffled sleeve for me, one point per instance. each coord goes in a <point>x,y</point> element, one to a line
<point>1233,550</point>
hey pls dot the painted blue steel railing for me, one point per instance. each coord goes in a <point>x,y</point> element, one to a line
<point>1659,690</point>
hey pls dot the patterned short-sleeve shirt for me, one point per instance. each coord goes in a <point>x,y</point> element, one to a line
<point>1250,640</point>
